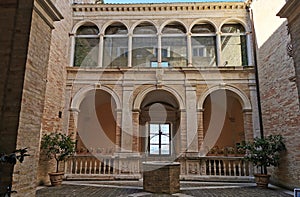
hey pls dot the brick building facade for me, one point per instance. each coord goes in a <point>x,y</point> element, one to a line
<point>69,76</point>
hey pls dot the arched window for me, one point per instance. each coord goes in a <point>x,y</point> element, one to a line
<point>86,46</point>
<point>174,45</point>
<point>233,45</point>
<point>203,45</point>
<point>115,46</point>
<point>144,45</point>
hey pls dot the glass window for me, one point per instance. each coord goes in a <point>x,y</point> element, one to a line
<point>159,139</point>
<point>144,45</point>
<point>86,46</point>
<point>203,45</point>
<point>174,45</point>
<point>115,46</point>
<point>233,45</point>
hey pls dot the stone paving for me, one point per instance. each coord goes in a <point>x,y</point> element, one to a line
<point>135,189</point>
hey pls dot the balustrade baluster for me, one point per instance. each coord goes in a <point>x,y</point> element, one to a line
<point>224,167</point>
<point>240,169</point>
<point>209,167</point>
<point>215,163</point>
<point>234,168</point>
<point>85,166</point>
<point>91,165</point>
<point>229,168</point>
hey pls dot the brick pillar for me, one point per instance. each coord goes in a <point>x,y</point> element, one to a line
<point>248,128</point>
<point>200,129</point>
<point>183,134</point>
<point>136,134</point>
<point>118,130</point>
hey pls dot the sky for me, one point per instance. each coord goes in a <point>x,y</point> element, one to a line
<point>165,1</point>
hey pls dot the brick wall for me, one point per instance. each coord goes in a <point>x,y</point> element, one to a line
<point>280,106</point>
<point>56,79</point>
<point>15,21</point>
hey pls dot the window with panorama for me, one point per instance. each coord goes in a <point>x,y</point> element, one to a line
<point>203,45</point>
<point>86,46</point>
<point>115,53</point>
<point>233,45</point>
<point>144,45</point>
<point>159,139</point>
<point>174,45</point>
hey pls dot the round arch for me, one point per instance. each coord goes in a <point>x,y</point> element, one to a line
<point>82,93</point>
<point>110,23</point>
<point>241,96</point>
<point>170,21</point>
<point>236,20</point>
<point>139,22</point>
<point>202,21</point>
<point>140,97</point>
<point>79,24</point>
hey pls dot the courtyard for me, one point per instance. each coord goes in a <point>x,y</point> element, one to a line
<point>135,189</point>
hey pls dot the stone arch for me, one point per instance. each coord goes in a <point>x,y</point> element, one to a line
<point>82,93</point>
<point>202,21</point>
<point>241,96</point>
<point>140,97</point>
<point>170,21</point>
<point>110,23</point>
<point>236,20</point>
<point>79,24</point>
<point>141,21</point>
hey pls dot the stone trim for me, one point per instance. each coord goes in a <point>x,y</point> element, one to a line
<point>47,11</point>
<point>156,7</point>
<point>290,10</point>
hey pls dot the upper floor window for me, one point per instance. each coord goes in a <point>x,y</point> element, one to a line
<point>203,45</point>
<point>144,45</point>
<point>86,46</point>
<point>115,46</point>
<point>174,44</point>
<point>233,45</point>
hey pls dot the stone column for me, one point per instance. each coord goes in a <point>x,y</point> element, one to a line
<point>159,59</point>
<point>72,49</point>
<point>126,139</point>
<point>249,49</point>
<point>136,134</point>
<point>255,114</point>
<point>100,53</point>
<point>189,51</point>
<point>219,49</point>
<point>129,50</point>
<point>191,119</point>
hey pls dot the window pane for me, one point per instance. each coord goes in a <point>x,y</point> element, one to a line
<point>174,28</point>
<point>204,50</point>
<point>144,51</point>
<point>203,28</point>
<point>174,51</point>
<point>154,128</point>
<point>165,128</point>
<point>233,28</point>
<point>115,52</point>
<point>165,139</point>
<point>145,28</point>
<point>117,28</point>
<point>154,149</point>
<point>87,30</point>
<point>165,149</point>
<point>154,139</point>
<point>234,52</point>
<point>86,52</point>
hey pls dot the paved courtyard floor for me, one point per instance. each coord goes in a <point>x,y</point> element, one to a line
<point>135,189</point>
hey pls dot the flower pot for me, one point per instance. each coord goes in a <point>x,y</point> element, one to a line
<point>56,178</point>
<point>262,180</point>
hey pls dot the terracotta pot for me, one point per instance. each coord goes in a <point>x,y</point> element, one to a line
<point>262,180</point>
<point>56,178</point>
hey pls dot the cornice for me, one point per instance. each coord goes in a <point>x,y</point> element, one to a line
<point>157,7</point>
<point>47,11</point>
<point>290,10</point>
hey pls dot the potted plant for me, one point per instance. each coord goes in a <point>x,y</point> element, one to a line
<point>58,146</point>
<point>264,152</point>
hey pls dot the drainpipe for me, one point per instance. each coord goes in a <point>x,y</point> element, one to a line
<point>256,71</point>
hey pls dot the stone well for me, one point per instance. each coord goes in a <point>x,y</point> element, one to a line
<point>161,177</point>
